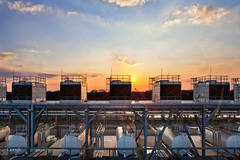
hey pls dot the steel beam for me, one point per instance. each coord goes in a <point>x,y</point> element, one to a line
<point>145,133</point>
<point>79,116</point>
<point>39,113</point>
<point>203,131</point>
<point>136,114</point>
<point>198,123</point>
<point>212,114</point>
<point>189,137</point>
<point>94,116</point>
<point>86,136</point>
<point>161,134</point>
<point>29,129</point>
<point>32,125</point>
<point>20,114</point>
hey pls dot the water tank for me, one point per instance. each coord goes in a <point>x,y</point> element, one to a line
<point>181,141</point>
<point>174,140</point>
<point>16,141</point>
<point>126,142</point>
<point>233,141</point>
<point>4,132</point>
<point>71,142</point>
<point>223,139</point>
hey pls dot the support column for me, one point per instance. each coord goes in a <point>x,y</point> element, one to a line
<point>32,126</point>
<point>29,129</point>
<point>58,130</point>
<point>86,136</point>
<point>203,131</point>
<point>91,132</point>
<point>145,132</point>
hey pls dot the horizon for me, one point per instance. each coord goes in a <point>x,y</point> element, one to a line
<point>142,38</point>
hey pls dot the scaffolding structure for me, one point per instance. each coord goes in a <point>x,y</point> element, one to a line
<point>143,113</point>
<point>120,78</point>
<point>74,77</point>
<point>119,87</point>
<point>73,87</point>
<point>31,88</point>
<point>165,87</point>
<point>31,79</point>
<point>210,79</point>
<point>3,88</point>
<point>172,78</point>
<point>210,87</point>
<point>236,88</point>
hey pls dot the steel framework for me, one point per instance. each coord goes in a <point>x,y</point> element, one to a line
<point>3,81</point>
<point>122,78</point>
<point>30,113</point>
<point>217,78</point>
<point>74,78</point>
<point>172,78</point>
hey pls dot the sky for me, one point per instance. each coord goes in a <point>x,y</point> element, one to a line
<point>143,38</point>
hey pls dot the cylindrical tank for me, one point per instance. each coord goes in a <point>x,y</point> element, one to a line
<point>223,139</point>
<point>4,132</point>
<point>125,141</point>
<point>67,143</point>
<point>176,141</point>
<point>16,141</point>
<point>71,142</point>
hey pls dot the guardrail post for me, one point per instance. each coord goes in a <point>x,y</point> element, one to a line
<point>203,131</point>
<point>86,136</point>
<point>145,125</point>
<point>28,129</point>
<point>32,125</point>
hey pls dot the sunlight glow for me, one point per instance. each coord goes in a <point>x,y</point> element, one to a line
<point>133,79</point>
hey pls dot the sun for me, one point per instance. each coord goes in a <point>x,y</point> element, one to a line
<point>133,79</point>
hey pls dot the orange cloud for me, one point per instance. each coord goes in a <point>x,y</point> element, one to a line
<point>125,61</point>
<point>4,56</point>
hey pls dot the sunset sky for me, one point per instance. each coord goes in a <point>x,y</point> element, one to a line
<point>137,37</point>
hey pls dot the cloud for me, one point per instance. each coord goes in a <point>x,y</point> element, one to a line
<point>25,7</point>
<point>72,13</point>
<point>4,56</point>
<point>172,22</point>
<point>34,51</point>
<point>95,75</point>
<point>127,3</point>
<point>196,14</point>
<point>8,73</point>
<point>125,60</point>
<point>94,19</point>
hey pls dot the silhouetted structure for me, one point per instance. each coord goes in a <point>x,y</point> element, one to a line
<point>3,89</point>
<point>187,94</point>
<point>73,87</point>
<point>211,87</point>
<point>120,87</point>
<point>166,87</point>
<point>32,88</point>
<point>236,88</point>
